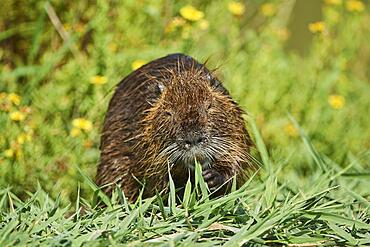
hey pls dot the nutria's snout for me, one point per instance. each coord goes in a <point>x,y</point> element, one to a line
<point>193,140</point>
<point>188,150</point>
<point>194,148</point>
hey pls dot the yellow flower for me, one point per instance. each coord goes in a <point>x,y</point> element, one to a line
<point>190,13</point>
<point>17,116</point>
<point>333,2</point>
<point>268,9</point>
<point>355,5</point>
<point>98,80</point>
<point>336,101</point>
<point>203,24</point>
<point>14,98</point>
<point>75,132</point>
<point>83,124</point>
<point>137,64</point>
<point>290,130</point>
<point>9,153</point>
<point>236,8</point>
<point>317,27</point>
<point>22,138</point>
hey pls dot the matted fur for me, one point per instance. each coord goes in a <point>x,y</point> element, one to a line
<point>153,110</point>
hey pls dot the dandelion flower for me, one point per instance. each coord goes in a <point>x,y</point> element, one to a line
<point>14,98</point>
<point>22,138</point>
<point>137,64</point>
<point>290,130</point>
<point>190,13</point>
<point>236,8</point>
<point>17,116</point>
<point>317,27</point>
<point>98,80</point>
<point>9,153</point>
<point>82,124</point>
<point>336,101</point>
<point>355,5</point>
<point>268,9</point>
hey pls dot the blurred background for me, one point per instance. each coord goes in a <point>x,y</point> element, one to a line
<point>60,62</point>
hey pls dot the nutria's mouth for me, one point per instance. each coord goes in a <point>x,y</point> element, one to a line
<point>187,158</point>
<point>190,163</point>
<point>190,158</point>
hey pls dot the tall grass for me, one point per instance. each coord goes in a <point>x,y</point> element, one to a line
<point>264,211</point>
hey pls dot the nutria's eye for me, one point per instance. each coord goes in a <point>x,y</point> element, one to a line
<point>168,113</point>
<point>209,105</point>
<point>160,87</point>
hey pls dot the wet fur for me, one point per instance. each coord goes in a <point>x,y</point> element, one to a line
<point>153,110</point>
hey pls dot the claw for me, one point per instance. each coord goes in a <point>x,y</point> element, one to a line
<point>207,174</point>
<point>213,178</point>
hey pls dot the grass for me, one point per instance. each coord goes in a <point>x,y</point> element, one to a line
<point>265,211</point>
<point>308,115</point>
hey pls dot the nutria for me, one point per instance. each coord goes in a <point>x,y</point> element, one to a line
<point>167,114</point>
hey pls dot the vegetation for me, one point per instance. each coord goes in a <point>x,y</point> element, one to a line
<point>308,114</point>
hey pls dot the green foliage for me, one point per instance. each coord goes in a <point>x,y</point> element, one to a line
<point>308,115</point>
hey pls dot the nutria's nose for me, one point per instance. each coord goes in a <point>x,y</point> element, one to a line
<point>194,140</point>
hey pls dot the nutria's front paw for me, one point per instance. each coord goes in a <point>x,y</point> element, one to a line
<point>213,178</point>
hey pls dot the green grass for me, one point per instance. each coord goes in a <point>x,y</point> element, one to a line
<point>265,211</point>
<point>313,184</point>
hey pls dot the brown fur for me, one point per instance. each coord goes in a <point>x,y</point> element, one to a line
<point>153,113</point>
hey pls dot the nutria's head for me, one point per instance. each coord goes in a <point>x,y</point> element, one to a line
<point>193,117</point>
